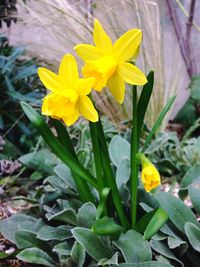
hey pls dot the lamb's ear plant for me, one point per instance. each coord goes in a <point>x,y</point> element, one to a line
<point>112,218</point>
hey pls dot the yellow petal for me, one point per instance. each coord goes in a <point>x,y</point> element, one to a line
<point>69,120</point>
<point>50,80</point>
<point>101,39</point>
<point>87,52</point>
<point>127,45</point>
<point>84,85</point>
<point>68,70</point>
<point>131,74</point>
<point>87,109</point>
<point>117,87</point>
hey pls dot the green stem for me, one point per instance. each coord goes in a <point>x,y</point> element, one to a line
<point>134,163</point>
<point>97,157</point>
<point>81,185</point>
<point>56,146</point>
<point>110,177</point>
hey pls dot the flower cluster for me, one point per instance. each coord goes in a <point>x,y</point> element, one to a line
<point>106,64</point>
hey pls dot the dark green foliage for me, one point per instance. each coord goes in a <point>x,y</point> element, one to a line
<point>19,81</point>
<point>191,110</point>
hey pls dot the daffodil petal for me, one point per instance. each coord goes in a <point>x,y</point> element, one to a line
<point>131,74</point>
<point>116,86</point>
<point>50,80</point>
<point>87,52</point>
<point>69,120</point>
<point>127,45</point>
<point>68,70</point>
<point>87,108</point>
<point>84,85</point>
<point>101,39</point>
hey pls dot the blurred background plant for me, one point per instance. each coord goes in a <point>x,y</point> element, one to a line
<point>163,48</point>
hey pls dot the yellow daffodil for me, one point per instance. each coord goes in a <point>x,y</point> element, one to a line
<point>68,97</point>
<point>150,176</point>
<point>109,63</point>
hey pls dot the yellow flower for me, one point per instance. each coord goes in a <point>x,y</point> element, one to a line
<point>150,176</point>
<point>108,62</point>
<point>68,98</point>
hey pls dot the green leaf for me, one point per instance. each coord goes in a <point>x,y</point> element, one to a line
<point>143,222</point>
<point>192,177</point>
<point>176,242</point>
<point>25,239</point>
<point>103,201</point>
<point>158,122</point>
<point>59,184</point>
<point>92,243</point>
<point>62,249</point>
<point>67,215</point>
<point>194,194</point>
<point>177,211</point>
<point>106,226</point>
<point>86,215</point>
<point>144,264</point>
<point>123,172</point>
<point>78,254</point>
<point>64,173</point>
<point>158,220</point>
<point>61,233</point>
<point>193,234</point>
<point>37,256</point>
<point>56,146</point>
<point>9,226</point>
<point>118,149</point>
<point>133,247</point>
<point>162,249</point>
<point>144,101</point>
<point>113,260</point>
<point>3,255</point>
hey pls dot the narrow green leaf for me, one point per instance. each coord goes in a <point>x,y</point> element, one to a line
<point>193,234</point>
<point>103,201</point>
<point>111,182</point>
<point>106,226</point>
<point>144,101</point>
<point>55,145</point>
<point>92,243</point>
<point>159,121</point>
<point>64,138</point>
<point>158,220</point>
<point>143,222</point>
